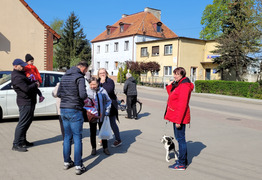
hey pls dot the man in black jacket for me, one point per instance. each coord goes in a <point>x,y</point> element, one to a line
<point>26,91</point>
<point>131,96</point>
<point>72,91</point>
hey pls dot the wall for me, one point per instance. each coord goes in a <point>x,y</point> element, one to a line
<point>21,33</point>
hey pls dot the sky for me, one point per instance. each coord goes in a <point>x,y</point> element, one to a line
<point>181,16</point>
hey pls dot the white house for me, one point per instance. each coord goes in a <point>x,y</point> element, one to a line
<point>117,43</point>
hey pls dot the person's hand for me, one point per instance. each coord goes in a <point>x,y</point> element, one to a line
<point>103,79</point>
<point>38,84</point>
<point>170,82</point>
<point>178,125</point>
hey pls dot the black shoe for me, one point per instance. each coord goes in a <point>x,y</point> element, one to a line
<point>128,117</point>
<point>136,118</point>
<point>19,148</point>
<point>106,151</point>
<point>80,170</point>
<point>27,144</point>
<point>93,152</point>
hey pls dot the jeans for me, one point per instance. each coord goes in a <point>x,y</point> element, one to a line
<point>26,115</point>
<point>131,106</point>
<point>181,139</point>
<point>114,127</point>
<point>73,126</point>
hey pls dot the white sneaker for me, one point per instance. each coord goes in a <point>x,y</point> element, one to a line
<point>80,169</point>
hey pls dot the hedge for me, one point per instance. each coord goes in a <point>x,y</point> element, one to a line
<point>232,88</point>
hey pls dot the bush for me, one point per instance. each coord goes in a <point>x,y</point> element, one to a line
<point>233,88</point>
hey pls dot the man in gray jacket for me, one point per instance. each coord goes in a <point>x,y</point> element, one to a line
<point>131,96</point>
<point>72,92</point>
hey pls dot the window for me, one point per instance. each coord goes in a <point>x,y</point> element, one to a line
<point>155,50</point>
<point>158,27</point>
<point>116,47</point>
<point>116,65</point>
<point>98,49</point>
<point>126,48</point>
<point>98,65</point>
<point>168,70</point>
<point>108,31</point>
<point>144,51</point>
<point>106,48</point>
<point>168,49</point>
<point>122,28</point>
<point>106,65</point>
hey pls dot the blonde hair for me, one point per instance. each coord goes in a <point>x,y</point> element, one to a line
<point>100,70</point>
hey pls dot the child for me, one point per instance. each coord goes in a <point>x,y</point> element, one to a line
<point>102,104</point>
<point>32,73</point>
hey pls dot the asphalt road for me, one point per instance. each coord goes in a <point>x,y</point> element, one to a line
<point>224,142</point>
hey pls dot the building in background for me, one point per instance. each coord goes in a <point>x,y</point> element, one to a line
<point>22,31</point>
<point>117,43</point>
<point>194,55</point>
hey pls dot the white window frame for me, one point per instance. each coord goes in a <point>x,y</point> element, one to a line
<point>98,65</point>
<point>106,48</point>
<point>144,52</point>
<point>168,49</point>
<point>126,48</point>
<point>98,49</point>
<point>116,46</point>
<point>167,70</point>
<point>106,65</point>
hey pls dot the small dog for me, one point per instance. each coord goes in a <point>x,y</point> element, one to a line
<point>169,146</point>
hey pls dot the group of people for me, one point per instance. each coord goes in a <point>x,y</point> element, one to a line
<point>72,91</point>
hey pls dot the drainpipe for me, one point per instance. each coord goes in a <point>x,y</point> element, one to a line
<point>177,51</point>
<point>133,48</point>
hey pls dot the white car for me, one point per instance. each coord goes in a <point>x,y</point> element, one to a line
<point>8,106</point>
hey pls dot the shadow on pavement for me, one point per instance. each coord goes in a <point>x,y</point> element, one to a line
<point>194,149</point>
<point>128,137</point>
<point>143,115</point>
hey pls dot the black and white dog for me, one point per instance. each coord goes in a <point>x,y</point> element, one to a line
<point>169,146</point>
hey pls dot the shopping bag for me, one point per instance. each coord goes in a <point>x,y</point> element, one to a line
<point>105,131</point>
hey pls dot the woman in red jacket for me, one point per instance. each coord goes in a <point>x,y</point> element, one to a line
<point>178,112</point>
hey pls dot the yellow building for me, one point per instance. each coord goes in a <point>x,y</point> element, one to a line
<point>23,31</point>
<point>193,54</point>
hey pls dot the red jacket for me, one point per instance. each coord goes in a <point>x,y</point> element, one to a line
<point>31,69</point>
<point>178,102</point>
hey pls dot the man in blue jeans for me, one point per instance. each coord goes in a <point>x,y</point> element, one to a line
<point>72,92</point>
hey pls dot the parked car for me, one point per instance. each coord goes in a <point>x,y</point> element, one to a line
<point>8,106</point>
<point>4,73</point>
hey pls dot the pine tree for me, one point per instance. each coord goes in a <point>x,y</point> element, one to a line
<point>240,37</point>
<point>73,46</point>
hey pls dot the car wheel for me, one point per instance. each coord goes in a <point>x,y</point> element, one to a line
<point>1,114</point>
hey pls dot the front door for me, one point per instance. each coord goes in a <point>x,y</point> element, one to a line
<point>208,75</point>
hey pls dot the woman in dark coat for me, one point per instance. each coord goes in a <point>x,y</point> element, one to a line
<point>178,112</point>
<point>109,85</point>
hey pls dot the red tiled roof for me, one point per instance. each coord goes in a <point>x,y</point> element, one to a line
<point>140,24</point>
<point>40,20</point>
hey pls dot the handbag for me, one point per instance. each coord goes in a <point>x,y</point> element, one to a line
<point>105,131</point>
<point>92,113</point>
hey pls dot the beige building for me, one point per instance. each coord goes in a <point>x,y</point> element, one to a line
<point>21,32</point>
<point>193,54</point>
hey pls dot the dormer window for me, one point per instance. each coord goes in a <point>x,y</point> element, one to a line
<point>158,27</point>
<point>108,31</point>
<point>123,26</point>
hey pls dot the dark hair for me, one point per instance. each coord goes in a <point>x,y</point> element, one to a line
<point>181,71</point>
<point>93,79</point>
<point>82,63</point>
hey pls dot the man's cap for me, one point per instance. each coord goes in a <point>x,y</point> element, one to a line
<point>28,57</point>
<point>19,62</point>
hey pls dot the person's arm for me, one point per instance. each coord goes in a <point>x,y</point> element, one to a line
<point>82,88</point>
<point>109,86</point>
<point>23,85</point>
<point>125,87</point>
<point>54,92</point>
<point>108,103</point>
<point>183,101</point>
<point>38,76</point>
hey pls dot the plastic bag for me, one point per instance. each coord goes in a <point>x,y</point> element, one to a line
<point>105,131</point>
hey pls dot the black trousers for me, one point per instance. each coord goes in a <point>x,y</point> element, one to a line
<point>93,129</point>
<point>131,106</point>
<point>26,115</point>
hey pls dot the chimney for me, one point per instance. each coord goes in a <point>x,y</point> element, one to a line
<point>124,15</point>
<point>156,12</point>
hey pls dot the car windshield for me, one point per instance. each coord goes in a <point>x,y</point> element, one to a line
<point>5,78</point>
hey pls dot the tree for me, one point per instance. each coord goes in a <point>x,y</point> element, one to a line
<point>212,19</point>
<point>241,36</point>
<point>57,26</point>
<point>73,46</point>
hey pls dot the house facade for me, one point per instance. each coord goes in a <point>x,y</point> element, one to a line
<point>194,55</point>
<point>117,43</point>
<point>22,31</point>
